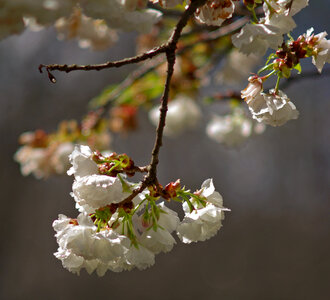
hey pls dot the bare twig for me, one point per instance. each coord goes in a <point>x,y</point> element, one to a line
<point>152,65</point>
<point>137,191</point>
<point>115,64</point>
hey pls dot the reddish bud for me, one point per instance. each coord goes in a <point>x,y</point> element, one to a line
<point>74,222</point>
<point>171,189</point>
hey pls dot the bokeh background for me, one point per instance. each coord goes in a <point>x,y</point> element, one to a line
<point>274,243</point>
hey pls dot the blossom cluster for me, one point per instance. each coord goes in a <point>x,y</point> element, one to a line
<point>275,108</point>
<point>90,25</point>
<point>113,234</point>
<point>268,32</point>
<point>122,224</point>
<point>43,154</point>
<point>184,113</point>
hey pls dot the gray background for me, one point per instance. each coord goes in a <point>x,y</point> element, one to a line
<point>275,242</point>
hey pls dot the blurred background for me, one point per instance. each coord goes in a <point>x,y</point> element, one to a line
<point>274,243</point>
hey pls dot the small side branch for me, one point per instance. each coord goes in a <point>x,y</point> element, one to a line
<point>97,67</point>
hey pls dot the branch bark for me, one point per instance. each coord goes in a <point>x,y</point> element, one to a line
<point>170,46</point>
<point>97,67</point>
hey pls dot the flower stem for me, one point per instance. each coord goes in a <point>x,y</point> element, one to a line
<point>277,84</point>
<point>270,74</point>
<point>254,16</point>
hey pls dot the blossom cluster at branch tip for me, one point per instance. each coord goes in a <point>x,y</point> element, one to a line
<point>90,33</point>
<point>127,15</point>
<point>319,48</point>
<point>273,108</point>
<point>43,154</point>
<point>111,234</point>
<point>268,32</point>
<point>215,12</point>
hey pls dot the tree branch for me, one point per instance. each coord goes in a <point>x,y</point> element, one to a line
<point>170,56</point>
<point>152,65</point>
<point>170,48</point>
<point>97,67</point>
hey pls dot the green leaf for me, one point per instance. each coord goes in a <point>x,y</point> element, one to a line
<point>208,100</point>
<point>267,67</point>
<point>102,98</point>
<point>298,68</point>
<point>271,56</point>
<point>126,187</point>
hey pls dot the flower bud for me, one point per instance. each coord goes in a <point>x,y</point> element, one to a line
<point>171,189</point>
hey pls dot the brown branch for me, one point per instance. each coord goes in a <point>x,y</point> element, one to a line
<point>170,56</point>
<point>97,67</point>
<point>152,65</point>
<point>131,79</point>
<point>170,46</point>
<point>134,193</point>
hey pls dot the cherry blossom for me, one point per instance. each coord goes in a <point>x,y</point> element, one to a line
<point>203,222</point>
<point>215,12</point>
<point>273,109</point>
<point>257,38</point>
<point>183,113</point>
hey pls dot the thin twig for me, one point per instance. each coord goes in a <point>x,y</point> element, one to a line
<point>97,67</point>
<point>152,65</point>
<point>134,193</point>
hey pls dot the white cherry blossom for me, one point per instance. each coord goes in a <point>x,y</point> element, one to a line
<point>257,38</point>
<point>322,55</point>
<point>82,247</point>
<point>284,23</point>
<point>231,130</point>
<point>140,257</point>
<point>237,67</point>
<point>157,241</point>
<point>253,89</point>
<point>82,162</point>
<point>215,12</point>
<point>168,218</point>
<point>273,109</point>
<point>33,161</point>
<point>283,7</point>
<point>203,222</point>
<point>60,158</point>
<point>98,190</point>
<point>183,113</point>
<point>90,33</point>
<point>161,240</point>
<point>118,17</point>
